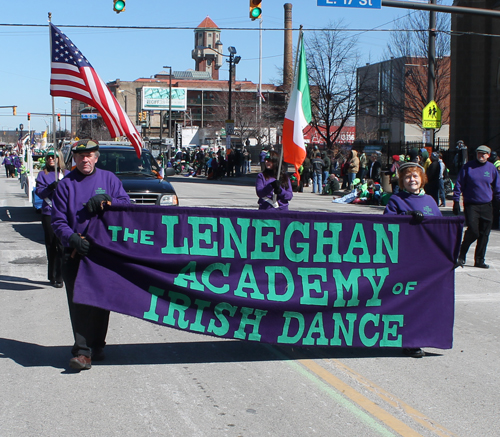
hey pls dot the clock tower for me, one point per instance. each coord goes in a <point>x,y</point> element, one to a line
<point>208,48</point>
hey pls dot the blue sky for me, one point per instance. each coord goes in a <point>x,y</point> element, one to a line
<point>130,54</point>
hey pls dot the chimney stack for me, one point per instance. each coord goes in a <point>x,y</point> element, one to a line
<point>288,54</point>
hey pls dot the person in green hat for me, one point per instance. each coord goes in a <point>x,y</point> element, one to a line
<point>83,193</point>
<point>478,183</point>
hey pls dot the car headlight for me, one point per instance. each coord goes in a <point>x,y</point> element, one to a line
<point>168,199</point>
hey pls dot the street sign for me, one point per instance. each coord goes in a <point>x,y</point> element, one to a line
<point>229,127</point>
<point>363,4</point>
<point>431,116</point>
<point>89,116</point>
<point>178,135</point>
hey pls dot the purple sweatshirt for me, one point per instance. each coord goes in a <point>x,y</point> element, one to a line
<point>265,190</point>
<point>43,180</point>
<point>69,215</point>
<point>403,201</point>
<point>478,183</point>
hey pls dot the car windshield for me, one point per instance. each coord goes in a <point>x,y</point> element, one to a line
<point>126,161</point>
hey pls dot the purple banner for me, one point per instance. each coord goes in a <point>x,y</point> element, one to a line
<point>304,279</point>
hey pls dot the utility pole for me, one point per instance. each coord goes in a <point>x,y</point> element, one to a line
<point>431,69</point>
<point>169,107</point>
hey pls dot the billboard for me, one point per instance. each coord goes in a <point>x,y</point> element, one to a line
<point>155,98</point>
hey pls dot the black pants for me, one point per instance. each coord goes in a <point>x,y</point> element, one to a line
<point>496,214</point>
<point>479,219</point>
<point>90,324</point>
<point>54,251</point>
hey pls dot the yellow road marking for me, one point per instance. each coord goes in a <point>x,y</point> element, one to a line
<point>368,405</point>
<point>394,401</point>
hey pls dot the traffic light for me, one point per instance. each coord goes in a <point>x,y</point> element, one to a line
<point>14,110</point>
<point>29,116</point>
<point>255,9</point>
<point>118,6</point>
<point>140,116</point>
<point>59,117</point>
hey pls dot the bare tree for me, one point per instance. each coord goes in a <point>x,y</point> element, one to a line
<point>95,129</point>
<point>332,60</point>
<point>412,48</point>
<point>245,113</point>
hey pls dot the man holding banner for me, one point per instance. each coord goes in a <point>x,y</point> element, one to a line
<point>82,194</point>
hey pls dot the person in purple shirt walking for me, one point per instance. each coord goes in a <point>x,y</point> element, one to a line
<point>478,182</point>
<point>9,166</point>
<point>83,193</point>
<point>412,200</point>
<point>273,193</point>
<point>46,184</point>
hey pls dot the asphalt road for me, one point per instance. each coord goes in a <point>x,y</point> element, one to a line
<point>160,381</point>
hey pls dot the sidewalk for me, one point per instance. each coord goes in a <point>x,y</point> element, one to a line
<point>23,248</point>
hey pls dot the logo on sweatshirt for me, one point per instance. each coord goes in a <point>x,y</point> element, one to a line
<point>428,210</point>
<point>100,191</point>
<point>487,174</point>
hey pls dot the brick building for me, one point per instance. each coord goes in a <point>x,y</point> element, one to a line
<point>475,83</point>
<point>206,100</point>
<point>391,96</point>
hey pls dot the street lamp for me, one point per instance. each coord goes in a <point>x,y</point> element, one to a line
<point>233,60</point>
<point>169,105</point>
<point>124,98</point>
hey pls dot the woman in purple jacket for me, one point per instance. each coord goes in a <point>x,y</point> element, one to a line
<point>45,186</point>
<point>412,200</point>
<point>273,193</point>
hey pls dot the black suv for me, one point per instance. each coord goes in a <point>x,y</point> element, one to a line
<point>140,176</point>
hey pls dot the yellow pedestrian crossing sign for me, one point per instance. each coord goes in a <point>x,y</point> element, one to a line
<point>431,116</point>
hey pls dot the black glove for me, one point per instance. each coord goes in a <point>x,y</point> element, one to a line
<point>53,185</point>
<point>94,204</point>
<point>276,184</point>
<point>81,245</point>
<point>456,207</point>
<point>418,216</point>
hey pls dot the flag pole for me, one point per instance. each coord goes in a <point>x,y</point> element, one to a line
<point>56,172</point>
<point>301,35</point>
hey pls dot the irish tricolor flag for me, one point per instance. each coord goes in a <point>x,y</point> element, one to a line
<point>298,114</point>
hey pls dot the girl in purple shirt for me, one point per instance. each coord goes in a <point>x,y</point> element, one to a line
<point>273,193</point>
<point>412,200</point>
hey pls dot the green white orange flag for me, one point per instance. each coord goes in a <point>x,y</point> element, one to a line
<point>298,114</point>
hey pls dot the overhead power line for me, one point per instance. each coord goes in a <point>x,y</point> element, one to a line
<point>318,29</point>
<point>272,29</point>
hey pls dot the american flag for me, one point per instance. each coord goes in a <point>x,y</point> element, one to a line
<point>72,76</point>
